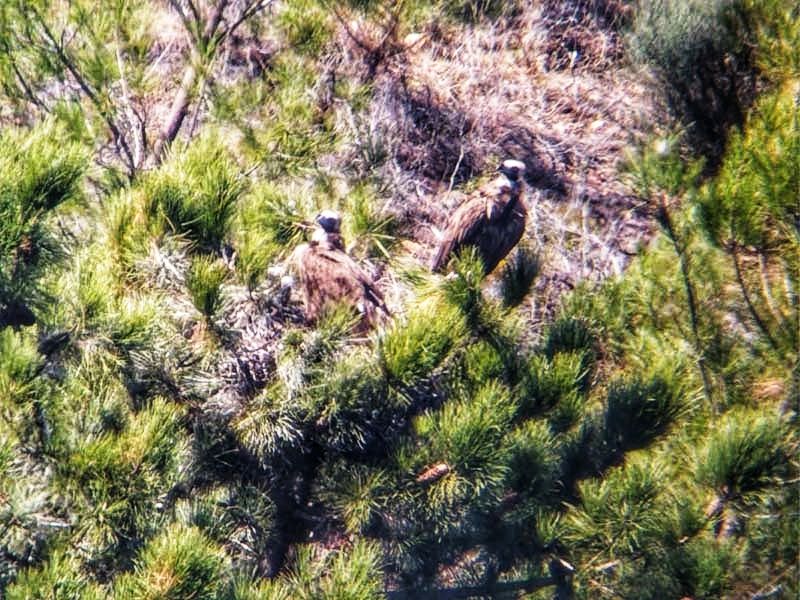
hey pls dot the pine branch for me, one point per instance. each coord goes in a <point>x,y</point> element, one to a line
<point>26,88</point>
<point>748,301</point>
<point>665,219</point>
<point>60,50</point>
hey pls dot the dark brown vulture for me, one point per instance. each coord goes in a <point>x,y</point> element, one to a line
<point>492,220</point>
<point>328,276</point>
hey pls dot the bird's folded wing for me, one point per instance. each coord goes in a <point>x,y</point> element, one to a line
<point>464,228</point>
<point>342,263</point>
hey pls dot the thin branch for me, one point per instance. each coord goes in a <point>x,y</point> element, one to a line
<point>26,88</point>
<point>191,28</point>
<point>198,105</point>
<point>69,64</point>
<point>213,22</point>
<point>665,219</point>
<point>195,13</point>
<point>138,150</point>
<point>748,301</point>
<point>765,286</point>
<point>343,22</point>
<point>247,13</point>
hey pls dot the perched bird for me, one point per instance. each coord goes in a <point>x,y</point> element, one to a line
<point>492,220</point>
<point>327,275</point>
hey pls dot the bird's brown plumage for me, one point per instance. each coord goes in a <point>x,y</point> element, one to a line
<point>492,220</point>
<point>329,276</point>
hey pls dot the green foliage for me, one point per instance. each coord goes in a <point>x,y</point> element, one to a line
<point>637,412</point>
<point>702,569</point>
<point>305,25</point>
<point>700,51</point>
<point>272,424</point>
<point>347,574</point>
<point>346,400</point>
<point>125,233</point>
<point>59,579</point>
<point>573,335</point>
<point>38,172</point>
<point>358,495</point>
<point>659,168</point>
<point>744,454</point>
<point>472,11</point>
<point>621,514</point>
<point>180,563</point>
<point>367,225</point>
<point>534,458</point>
<point>194,194</point>
<point>750,202</point>
<point>270,222</point>
<point>296,134</point>
<point>750,211</point>
<point>518,276</point>
<point>412,350</point>
<point>204,281</point>
<point>676,36</point>
<point>116,478</point>
<point>46,44</point>
<point>549,382</point>
<point>468,436</point>
<point>776,30</point>
<point>25,397</point>
<point>483,362</point>
<point>19,367</point>
<point>463,442</point>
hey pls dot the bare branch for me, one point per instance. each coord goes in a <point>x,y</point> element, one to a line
<point>177,113</point>
<point>187,23</point>
<point>195,13</point>
<point>26,88</point>
<point>69,64</point>
<point>249,11</point>
<point>214,20</point>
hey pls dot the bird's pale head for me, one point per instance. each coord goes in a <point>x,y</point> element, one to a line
<point>513,169</point>
<point>329,221</point>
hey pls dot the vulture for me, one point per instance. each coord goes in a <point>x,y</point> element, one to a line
<point>492,220</point>
<point>328,276</point>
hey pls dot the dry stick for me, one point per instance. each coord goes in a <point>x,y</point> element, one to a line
<point>455,170</point>
<point>193,8</point>
<point>748,301</point>
<point>666,221</point>
<point>119,139</point>
<point>180,106</point>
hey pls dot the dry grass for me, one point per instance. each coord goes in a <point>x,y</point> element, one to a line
<point>458,99</point>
